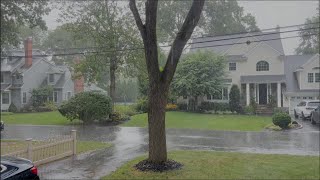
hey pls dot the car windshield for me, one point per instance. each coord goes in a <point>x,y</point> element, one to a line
<point>314,104</point>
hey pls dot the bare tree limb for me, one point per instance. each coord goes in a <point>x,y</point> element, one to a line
<point>181,39</point>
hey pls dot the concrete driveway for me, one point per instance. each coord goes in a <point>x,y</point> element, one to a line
<point>132,142</point>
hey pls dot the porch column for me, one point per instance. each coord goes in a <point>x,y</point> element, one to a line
<point>279,94</point>
<point>248,93</point>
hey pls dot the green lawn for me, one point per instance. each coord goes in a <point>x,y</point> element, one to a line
<point>206,121</point>
<point>227,165</point>
<point>82,146</point>
<point>41,118</point>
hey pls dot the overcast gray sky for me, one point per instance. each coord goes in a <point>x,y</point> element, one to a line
<point>268,14</point>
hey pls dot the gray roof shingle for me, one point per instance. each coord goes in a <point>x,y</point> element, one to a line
<point>219,41</point>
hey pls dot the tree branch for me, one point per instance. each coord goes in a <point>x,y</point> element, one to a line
<point>181,39</point>
<point>137,18</point>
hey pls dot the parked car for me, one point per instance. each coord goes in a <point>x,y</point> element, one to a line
<point>17,168</point>
<point>1,126</point>
<point>315,116</point>
<point>304,108</point>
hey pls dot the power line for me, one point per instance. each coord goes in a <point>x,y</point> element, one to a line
<point>254,35</point>
<point>141,48</point>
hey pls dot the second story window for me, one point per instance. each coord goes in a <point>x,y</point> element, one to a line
<point>51,78</point>
<point>262,66</point>
<point>317,77</point>
<point>310,77</point>
<point>232,66</point>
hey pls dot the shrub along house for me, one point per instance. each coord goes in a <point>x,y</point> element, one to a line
<point>23,71</point>
<point>261,70</point>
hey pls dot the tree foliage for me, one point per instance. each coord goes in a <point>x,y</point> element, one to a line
<point>234,99</point>
<point>87,106</point>
<point>218,18</point>
<point>200,73</point>
<point>309,44</point>
<point>15,14</point>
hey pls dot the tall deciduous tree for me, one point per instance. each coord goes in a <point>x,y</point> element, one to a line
<point>219,17</point>
<point>15,13</point>
<point>106,24</point>
<point>309,44</point>
<point>199,74</point>
<point>160,80</point>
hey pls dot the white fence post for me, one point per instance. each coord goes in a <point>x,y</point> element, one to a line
<point>74,138</point>
<point>29,148</point>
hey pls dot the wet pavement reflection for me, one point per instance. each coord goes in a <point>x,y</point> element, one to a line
<point>130,142</point>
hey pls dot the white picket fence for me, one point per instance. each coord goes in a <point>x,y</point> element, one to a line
<point>41,152</point>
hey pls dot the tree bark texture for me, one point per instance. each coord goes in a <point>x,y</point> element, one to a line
<point>159,82</point>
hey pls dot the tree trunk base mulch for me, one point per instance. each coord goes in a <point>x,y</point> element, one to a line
<point>169,165</point>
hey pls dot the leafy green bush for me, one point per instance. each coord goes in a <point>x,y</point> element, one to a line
<point>50,105</point>
<point>215,106</point>
<point>281,119</point>
<point>253,105</point>
<point>182,106</point>
<point>234,99</point>
<point>13,108</point>
<point>142,105</point>
<point>128,110</point>
<point>249,110</point>
<point>272,101</point>
<point>87,106</point>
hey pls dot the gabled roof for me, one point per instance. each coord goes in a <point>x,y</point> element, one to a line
<point>291,63</point>
<point>219,41</point>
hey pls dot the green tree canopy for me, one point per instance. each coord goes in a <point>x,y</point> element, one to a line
<point>218,18</point>
<point>309,44</point>
<point>199,73</point>
<point>15,14</point>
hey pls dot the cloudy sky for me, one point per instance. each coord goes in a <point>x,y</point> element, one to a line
<point>268,14</point>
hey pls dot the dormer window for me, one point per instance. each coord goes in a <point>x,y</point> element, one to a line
<point>262,66</point>
<point>51,78</point>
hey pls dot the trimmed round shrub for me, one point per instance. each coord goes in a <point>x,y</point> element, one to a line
<point>87,107</point>
<point>13,108</point>
<point>234,102</point>
<point>281,119</point>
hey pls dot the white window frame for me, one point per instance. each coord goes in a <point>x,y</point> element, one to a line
<point>310,77</point>
<point>222,95</point>
<point>52,78</point>
<point>262,66</point>
<point>316,77</point>
<point>232,66</point>
<point>24,98</point>
<point>68,95</point>
<point>9,98</point>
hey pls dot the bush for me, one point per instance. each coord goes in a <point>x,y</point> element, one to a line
<point>253,105</point>
<point>249,110</point>
<point>117,116</point>
<point>50,105</point>
<point>234,99</point>
<point>171,107</point>
<point>182,106</point>
<point>42,109</point>
<point>281,119</point>
<point>13,108</point>
<point>215,106</point>
<point>142,105</point>
<point>87,106</point>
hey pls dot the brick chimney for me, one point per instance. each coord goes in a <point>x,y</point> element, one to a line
<point>28,52</point>
<point>79,81</point>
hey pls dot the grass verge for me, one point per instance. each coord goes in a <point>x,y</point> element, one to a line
<point>227,165</point>
<point>206,121</point>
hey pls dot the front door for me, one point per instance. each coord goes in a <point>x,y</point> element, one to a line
<point>262,93</point>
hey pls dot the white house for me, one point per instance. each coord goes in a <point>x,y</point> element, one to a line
<point>261,70</point>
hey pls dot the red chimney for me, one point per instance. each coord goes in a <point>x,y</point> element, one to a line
<point>79,81</point>
<point>28,52</point>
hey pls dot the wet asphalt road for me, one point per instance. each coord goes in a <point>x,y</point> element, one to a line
<point>132,142</point>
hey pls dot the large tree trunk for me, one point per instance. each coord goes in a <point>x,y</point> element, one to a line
<point>156,123</point>
<point>160,81</point>
<point>112,93</point>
